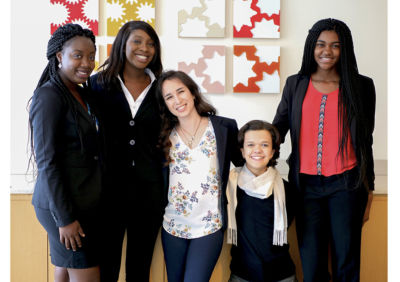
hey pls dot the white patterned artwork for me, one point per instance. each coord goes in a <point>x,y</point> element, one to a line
<point>201,18</point>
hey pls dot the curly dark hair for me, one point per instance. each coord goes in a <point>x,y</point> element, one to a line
<point>168,120</point>
<point>262,125</point>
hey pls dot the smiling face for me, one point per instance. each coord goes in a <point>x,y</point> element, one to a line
<point>77,60</point>
<point>178,98</point>
<point>139,49</point>
<point>327,50</point>
<point>257,150</point>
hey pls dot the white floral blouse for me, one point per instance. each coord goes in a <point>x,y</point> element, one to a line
<point>194,193</point>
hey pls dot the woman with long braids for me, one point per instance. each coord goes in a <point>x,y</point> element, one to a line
<point>134,198</point>
<point>199,147</point>
<point>66,145</point>
<point>329,109</point>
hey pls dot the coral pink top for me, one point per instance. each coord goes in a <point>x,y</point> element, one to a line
<point>319,135</point>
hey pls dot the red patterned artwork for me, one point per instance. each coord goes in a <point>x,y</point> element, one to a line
<point>82,12</point>
<point>256,18</point>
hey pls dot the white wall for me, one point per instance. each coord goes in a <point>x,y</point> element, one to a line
<point>367,20</point>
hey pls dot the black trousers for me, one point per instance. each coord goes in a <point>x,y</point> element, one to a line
<point>138,212</point>
<point>332,209</point>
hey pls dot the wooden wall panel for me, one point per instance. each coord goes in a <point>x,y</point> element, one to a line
<point>28,242</point>
<point>374,245</point>
<point>30,260</point>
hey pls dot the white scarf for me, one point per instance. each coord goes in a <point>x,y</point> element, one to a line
<point>261,187</point>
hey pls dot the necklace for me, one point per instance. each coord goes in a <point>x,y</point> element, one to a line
<point>191,138</point>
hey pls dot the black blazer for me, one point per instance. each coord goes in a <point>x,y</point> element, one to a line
<point>288,117</point>
<point>134,164</point>
<point>228,151</point>
<point>67,149</point>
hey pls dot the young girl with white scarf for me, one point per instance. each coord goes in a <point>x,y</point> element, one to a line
<point>260,209</point>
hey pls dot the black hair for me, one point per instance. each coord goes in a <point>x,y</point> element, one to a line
<point>168,120</point>
<point>57,42</point>
<point>262,125</point>
<point>115,63</point>
<point>350,97</point>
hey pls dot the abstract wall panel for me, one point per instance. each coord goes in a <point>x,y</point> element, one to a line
<point>256,18</point>
<point>205,65</point>
<point>82,12</point>
<point>256,69</point>
<point>201,18</point>
<point>121,11</point>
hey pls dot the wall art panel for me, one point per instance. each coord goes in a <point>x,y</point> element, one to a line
<point>205,65</point>
<point>201,18</point>
<point>82,12</point>
<point>121,11</point>
<point>256,18</point>
<point>256,69</point>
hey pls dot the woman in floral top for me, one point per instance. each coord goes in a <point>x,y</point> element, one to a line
<point>199,147</point>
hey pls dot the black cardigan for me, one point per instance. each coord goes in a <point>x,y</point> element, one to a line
<point>288,117</point>
<point>134,164</point>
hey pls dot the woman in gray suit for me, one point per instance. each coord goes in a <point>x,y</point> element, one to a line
<point>66,143</point>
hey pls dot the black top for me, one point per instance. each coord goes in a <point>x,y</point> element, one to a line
<point>288,117</point>
<point>67,149</point>
<point>255,258</point>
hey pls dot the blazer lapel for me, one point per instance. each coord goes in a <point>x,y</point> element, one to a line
<point>300,93</point>
<point>81,110</point>
<point>221,132</point>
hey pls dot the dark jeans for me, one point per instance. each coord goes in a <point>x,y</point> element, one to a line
<point>332,210</point>
<point>191,260</point>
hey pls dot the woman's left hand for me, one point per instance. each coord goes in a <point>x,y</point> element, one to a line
<point>368,207</point>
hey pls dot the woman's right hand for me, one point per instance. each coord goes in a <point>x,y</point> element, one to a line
<point>70,235</point>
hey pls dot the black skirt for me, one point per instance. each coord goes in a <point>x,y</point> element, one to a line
<point>85,257</point>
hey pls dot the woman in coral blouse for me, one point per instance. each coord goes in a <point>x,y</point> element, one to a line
<point>329,109</point>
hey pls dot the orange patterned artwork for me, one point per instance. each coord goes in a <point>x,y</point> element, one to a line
<point>256,69</point>
<point>109,46</point>
<point>121,11</point>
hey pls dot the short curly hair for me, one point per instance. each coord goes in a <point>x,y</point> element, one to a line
<point>262,125</point>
